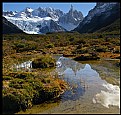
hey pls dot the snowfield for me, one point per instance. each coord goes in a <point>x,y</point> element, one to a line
<point>43,20</point>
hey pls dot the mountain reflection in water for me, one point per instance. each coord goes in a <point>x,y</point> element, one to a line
<point>77,76</point>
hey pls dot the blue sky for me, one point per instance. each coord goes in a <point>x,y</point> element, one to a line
<point>81,6</point>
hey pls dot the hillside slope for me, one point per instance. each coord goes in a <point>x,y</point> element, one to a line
<point>9,28</point>
<point>115,26</point>
<point>102,15</point>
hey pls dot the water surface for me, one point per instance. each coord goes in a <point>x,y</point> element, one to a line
<point>88,92</point>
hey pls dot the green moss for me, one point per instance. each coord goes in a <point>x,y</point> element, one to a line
<point>45,61</point>
<point>31,89</point>
<point>17,83</point>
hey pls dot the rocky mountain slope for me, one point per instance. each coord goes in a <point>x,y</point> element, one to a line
<point>9,28</point>
<point>102,15</point>
<point>43,20</point>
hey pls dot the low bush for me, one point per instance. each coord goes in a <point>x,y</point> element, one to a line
<point>50,45</point>
<point>101,48</point>
<point>87,57</point>
<point>7,78</point>
<point>82,50</point>
<point>71,39</point>
<point>82,41</point>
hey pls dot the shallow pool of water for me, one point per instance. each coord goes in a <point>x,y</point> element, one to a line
<point>88,93</point>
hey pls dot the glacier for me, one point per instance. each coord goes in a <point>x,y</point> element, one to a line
<point>43,20</point>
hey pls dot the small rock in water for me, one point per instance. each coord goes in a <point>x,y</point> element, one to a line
<point>58,64</point>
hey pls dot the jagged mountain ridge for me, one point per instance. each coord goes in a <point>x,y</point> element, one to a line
<point>9,28</point>
<point>72,17</point>
<point>102,15</point>
<point>43,20</point>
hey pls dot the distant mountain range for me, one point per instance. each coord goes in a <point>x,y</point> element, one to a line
<point>101,18</point>
<point>104,17</point>
<point>43,20</point>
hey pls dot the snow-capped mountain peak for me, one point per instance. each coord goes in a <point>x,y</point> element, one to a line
<point>49,9</point>
<point>28,9</point>
<point>27,12</point>
<point>9,13</point>
<point>42,20</point>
